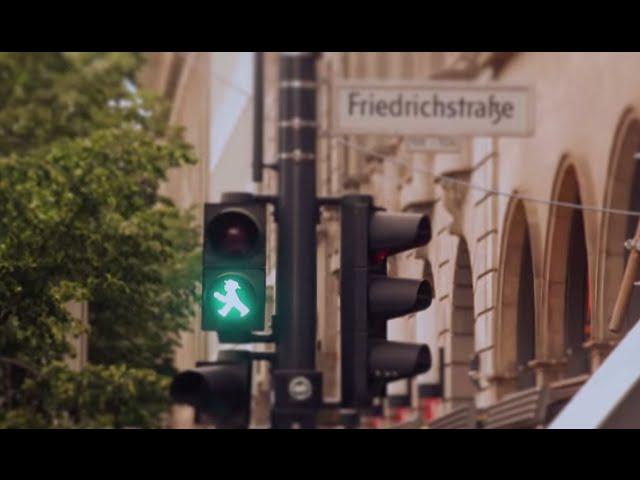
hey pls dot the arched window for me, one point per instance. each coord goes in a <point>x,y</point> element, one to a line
<point>458,384</point>
<point>516,330</point>
<point>525,329</point>
<point>567,288</point>
<point>633,311</point>
<point>622,192</point>
<point>577,301</point>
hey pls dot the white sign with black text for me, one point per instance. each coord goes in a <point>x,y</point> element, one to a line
<point>377,107</point>
<point>435,144</point>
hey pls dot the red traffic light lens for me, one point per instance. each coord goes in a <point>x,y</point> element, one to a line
<point>234,234</point>
<point>379,257</point>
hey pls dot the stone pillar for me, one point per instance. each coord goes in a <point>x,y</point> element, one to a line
<point>598,351</point>
<point>486,244</point>
<point>548,370</point>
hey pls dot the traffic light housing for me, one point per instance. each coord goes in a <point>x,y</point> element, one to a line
<point>233,293</point>
<point>369,297</point>
<point>220,392</point>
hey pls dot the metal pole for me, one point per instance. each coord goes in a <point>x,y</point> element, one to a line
<point>258,114</point>
<point>298,387</point>
<point>626,286</point>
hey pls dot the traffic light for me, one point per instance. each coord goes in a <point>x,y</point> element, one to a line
<point>220,391</point>
<point>233,293</point>
<point>368,298</point>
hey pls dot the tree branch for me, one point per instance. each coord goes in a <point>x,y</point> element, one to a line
<point>20,364</point>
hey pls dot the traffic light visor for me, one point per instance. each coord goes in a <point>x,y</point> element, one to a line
<point>397,232</point>
<point>189,387</point>
<point>394,297</point>
<point>424,295</point>
<point>221,391</point>
<point>395,360</point>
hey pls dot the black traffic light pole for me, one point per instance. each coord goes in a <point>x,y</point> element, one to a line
<point>258,115</point>
<point>234,281</point>
<point>297,384</point>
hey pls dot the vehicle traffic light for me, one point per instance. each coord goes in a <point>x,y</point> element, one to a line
<point>233,293</point>
<point>220,391</point>
<point>368,298</point>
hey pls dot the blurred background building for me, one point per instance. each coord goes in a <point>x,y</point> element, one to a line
<point>211,97</point>
<point>184,79</point>
<point>523,290</point>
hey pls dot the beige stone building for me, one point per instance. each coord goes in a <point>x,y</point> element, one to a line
<point>211,99</point>
<point>184,79</point>
<point>523,289</point>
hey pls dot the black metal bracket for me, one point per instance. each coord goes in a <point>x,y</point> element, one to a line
<point>262,338</point>
<point>266,356</point>
<point>246,337</point>
<point>246,197</point>
<point>272,199</point>
<point>329,201</point>
<point>238,355</point>
<point>271,166</point>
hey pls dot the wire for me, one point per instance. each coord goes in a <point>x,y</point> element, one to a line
<point>445,178</point>
<point>229,83</point>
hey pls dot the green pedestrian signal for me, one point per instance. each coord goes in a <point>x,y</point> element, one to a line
<point>230,299</point>
<point>234,270</point>
<point>234,296</point>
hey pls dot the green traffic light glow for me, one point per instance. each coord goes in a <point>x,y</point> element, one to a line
<point>233,298</point>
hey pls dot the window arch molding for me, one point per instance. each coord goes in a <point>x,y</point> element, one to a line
<point>568,186</point>
<point>613,229</point>
<point>460,344</point>
<point>517,247</point>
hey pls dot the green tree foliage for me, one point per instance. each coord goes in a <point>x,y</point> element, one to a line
<point>82,154</point>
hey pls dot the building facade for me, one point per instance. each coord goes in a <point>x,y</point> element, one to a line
<point>524,285</point>
<point>211,98</point>
<point>184,79</point>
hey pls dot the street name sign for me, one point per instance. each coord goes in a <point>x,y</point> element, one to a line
<point>434,144</point>
<point>379,107</point>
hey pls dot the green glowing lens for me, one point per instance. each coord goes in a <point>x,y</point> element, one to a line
<point>233,298</point>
